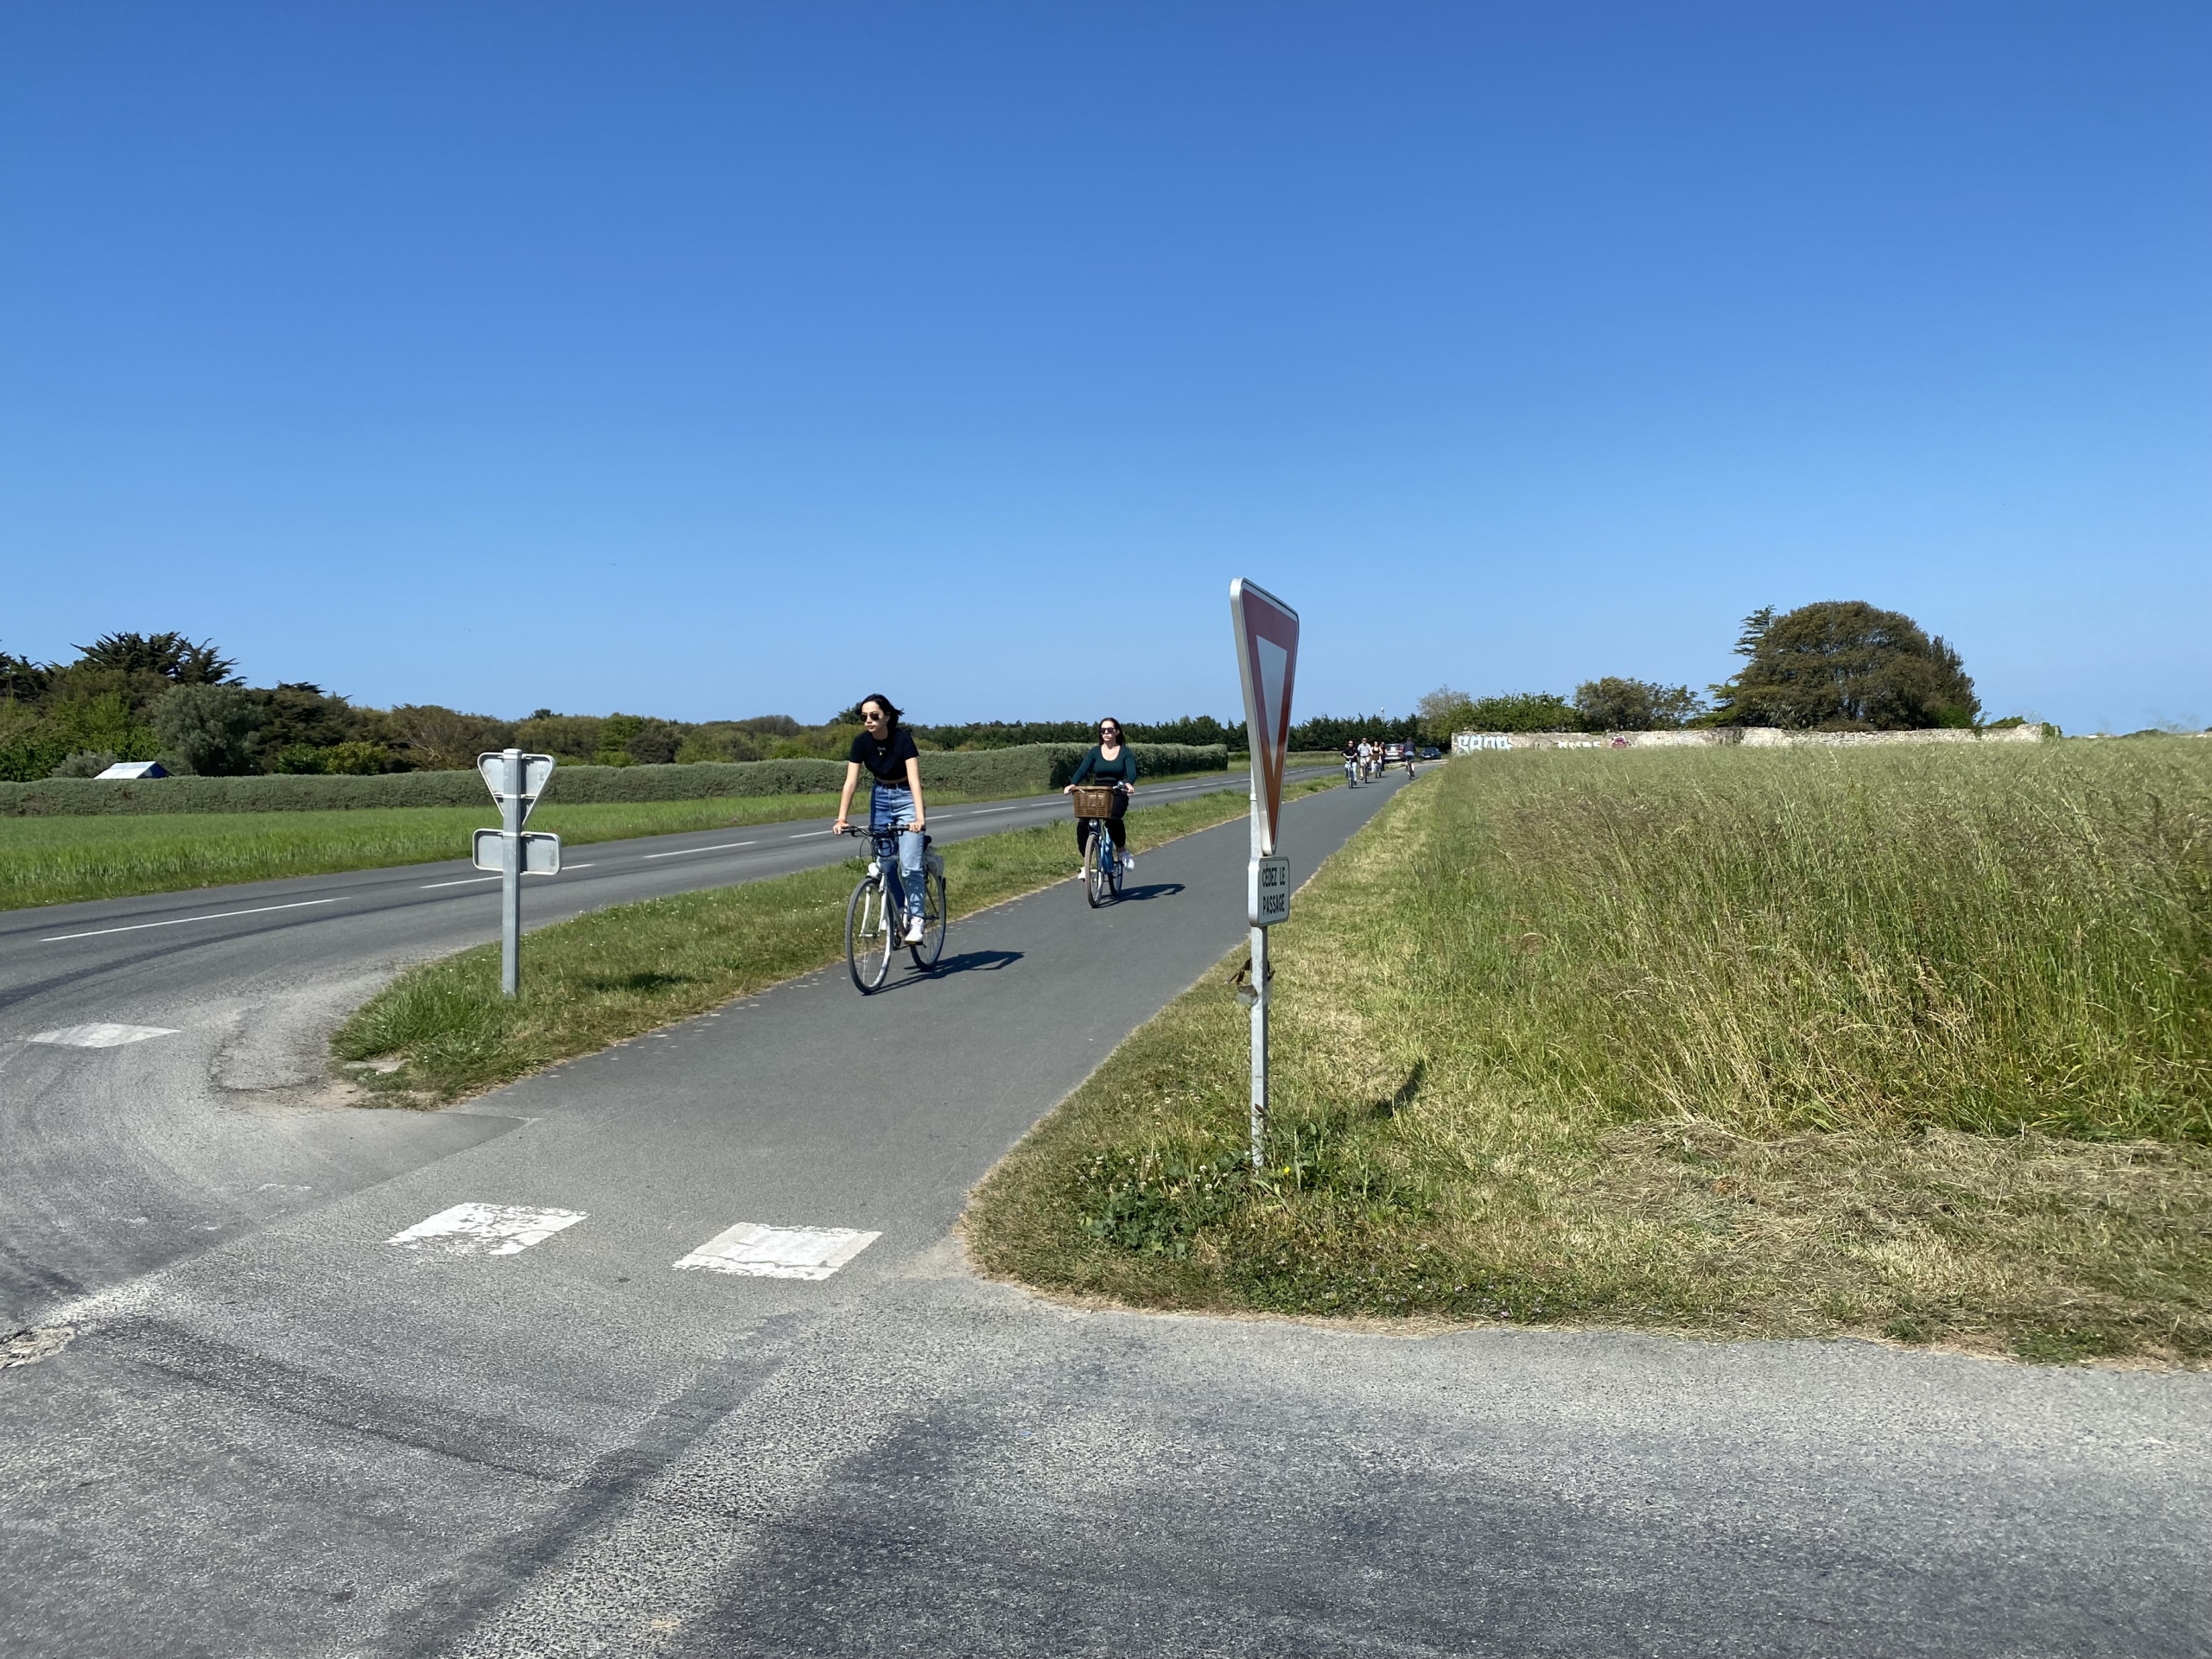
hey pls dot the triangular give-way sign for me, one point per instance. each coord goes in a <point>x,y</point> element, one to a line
<point>1267,660</point>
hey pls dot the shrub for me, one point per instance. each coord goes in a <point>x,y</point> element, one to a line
<point>357,759</point>
<point>208,726</point>
<point>85,763</point>
<point>1617,705</point>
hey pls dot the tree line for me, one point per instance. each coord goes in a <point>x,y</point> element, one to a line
<point>1833,665</point>
<point>166,697</point>
<point>1836,665</point>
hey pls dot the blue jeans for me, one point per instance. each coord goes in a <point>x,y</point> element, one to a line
<point>896,805</point>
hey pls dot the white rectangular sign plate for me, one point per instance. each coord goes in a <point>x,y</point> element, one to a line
<point>1268,891</point>
<point>541,853</point>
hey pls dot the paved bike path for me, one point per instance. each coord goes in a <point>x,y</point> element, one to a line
<point>120,1160</point>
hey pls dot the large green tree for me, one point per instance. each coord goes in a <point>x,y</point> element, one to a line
<point>172,656</point>
<point>1840,664</point>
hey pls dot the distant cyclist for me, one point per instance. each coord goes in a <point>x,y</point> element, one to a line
<point>1366,759</point>
<point>887,749</point>
<point>1351,763</point>
<point>1109,761</point>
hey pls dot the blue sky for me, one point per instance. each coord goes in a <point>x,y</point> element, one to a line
<point>713,360</point>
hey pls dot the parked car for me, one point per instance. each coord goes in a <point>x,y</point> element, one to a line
<point>1394,754</point>
<point>1432,754</point>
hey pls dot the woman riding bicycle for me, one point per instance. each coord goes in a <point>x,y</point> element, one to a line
<point>887,749</point>
<point>1107,761</point>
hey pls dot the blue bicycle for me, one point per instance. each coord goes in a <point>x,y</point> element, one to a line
<point>1102,859</point>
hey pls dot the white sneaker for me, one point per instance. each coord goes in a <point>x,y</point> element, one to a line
<point>914,929</point>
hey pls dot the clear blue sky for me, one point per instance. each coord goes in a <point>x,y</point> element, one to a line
<point>710,360</point>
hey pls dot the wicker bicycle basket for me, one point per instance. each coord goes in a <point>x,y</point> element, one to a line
<point>1095,801</point>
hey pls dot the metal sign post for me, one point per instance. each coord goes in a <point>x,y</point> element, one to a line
<point>1266,663</point>
<point>516,781</point>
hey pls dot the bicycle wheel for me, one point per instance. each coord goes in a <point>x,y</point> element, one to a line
<point>867,936</point>
<point>932,945</point>
<point>1094,872</point>
<point>1113,867</point>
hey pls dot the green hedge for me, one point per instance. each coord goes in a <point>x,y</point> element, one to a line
<point>1032,770</point>
<point>1036,768</point>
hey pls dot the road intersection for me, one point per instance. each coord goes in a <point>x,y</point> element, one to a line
<point>670,1351</point>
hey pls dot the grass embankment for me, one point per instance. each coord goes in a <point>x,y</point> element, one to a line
<point>1913,1045</point>
<point>57,861</point>
<point>615,973</point>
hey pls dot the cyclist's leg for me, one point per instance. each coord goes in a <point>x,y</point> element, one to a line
<point>895,805</point>
<point>909,869</point>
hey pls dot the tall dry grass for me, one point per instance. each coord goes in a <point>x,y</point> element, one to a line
<point>1990,941</point>
<point>1742,1043</point>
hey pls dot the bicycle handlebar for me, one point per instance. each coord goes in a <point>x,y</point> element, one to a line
<point>864,829</point>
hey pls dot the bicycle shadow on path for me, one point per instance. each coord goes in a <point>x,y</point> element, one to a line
<point>1151,890</point>
<point>967,962</point>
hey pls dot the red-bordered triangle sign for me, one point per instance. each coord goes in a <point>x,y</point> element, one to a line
<point>1267,657</point>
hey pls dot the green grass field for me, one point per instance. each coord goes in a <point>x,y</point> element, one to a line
<point>59,860</point>
<point>54,860</point>
<point>1910,1044</point>
<point>443,1030</point>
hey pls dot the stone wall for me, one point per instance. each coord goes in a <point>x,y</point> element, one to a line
<point>1750,737</point>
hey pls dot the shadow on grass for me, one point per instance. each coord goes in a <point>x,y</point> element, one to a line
<point>646,980</point>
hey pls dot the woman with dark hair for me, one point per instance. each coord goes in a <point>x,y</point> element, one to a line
<point>887,749</point>
<point>1109,761</point>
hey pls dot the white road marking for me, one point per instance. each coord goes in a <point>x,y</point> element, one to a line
<point>486,1229</point>
<point>101,1035</point>
<point>178,921</point>
<point>470,880</point>
<point>764,1252</point>
<point>684,852</point>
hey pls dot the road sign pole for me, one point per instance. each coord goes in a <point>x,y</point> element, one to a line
<point>510,821</point>
<point>1267,662</point>
<point>1259,1047</point>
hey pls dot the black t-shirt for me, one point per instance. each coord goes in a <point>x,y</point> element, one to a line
<point>887,760</point>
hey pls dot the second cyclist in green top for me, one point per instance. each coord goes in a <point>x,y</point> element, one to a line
<point>1108,762</point>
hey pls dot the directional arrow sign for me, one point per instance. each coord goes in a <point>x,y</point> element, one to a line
<point>1267,657</point>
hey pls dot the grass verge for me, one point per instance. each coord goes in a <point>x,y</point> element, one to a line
<point>1914,1046</point>
<point>58,861</point>
<point>443,1031</point>
<point>53,860</point>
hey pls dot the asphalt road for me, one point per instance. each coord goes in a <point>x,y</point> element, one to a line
<point>304,1439</point>
<point>122,1160</point>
